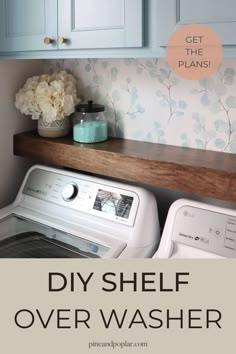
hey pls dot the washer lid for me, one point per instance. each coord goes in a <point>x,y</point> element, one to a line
<point>24,238</point>
<point>35,245</point>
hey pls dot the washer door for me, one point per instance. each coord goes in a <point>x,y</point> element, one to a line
<point>24,238</point>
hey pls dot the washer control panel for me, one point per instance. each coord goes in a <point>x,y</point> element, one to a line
<point>96,198</point>
<point>207,230</point>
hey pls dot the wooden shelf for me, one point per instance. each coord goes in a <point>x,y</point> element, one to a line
<point>206,173</point>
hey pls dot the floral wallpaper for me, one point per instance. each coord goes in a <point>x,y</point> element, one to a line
<point>145,101</point>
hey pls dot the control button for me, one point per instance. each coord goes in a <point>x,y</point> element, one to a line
<point>94,248</point>
<point>70,192</point>
<point>217,232</point>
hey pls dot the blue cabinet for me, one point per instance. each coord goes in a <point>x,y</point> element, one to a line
<point>100,24</point>
<point>49,25</point>
<point>220,15</point>
<point>24,24</point>
<point>106,28</point>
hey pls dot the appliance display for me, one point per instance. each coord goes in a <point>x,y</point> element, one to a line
<point>113,203</point>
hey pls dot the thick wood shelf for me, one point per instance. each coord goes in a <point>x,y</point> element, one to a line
<point>206,173</point>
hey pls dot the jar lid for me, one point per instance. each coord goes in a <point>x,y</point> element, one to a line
<point>90,107</point>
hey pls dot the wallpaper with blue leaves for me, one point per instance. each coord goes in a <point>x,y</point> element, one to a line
<point>145,101</point>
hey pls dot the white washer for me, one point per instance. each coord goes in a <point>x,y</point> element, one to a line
<point>198,230</point>
<point>60,214</point>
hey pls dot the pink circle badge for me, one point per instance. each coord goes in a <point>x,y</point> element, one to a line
<point>194,52</point>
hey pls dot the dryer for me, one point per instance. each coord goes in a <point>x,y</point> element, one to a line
<point>62,214</point>
<point>198,230</point>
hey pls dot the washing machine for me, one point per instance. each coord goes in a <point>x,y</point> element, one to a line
<point>198,230</point>
<point>61,214</point>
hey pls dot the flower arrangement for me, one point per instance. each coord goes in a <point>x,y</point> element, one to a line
<point>50,97</point>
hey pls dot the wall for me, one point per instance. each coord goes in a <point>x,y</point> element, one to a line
<point>12,169</point>
<point>146,101</point>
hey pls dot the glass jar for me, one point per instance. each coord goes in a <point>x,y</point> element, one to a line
<point>89,123</point>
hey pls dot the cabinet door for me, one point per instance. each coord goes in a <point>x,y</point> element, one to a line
<point>220,15</point>
<point>100,23</point>
<point>25,23</point>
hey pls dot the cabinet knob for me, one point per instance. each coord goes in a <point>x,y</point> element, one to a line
<point>48,40</point>
<point>61,40</point>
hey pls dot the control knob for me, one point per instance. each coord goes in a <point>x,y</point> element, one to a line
<point>70,192</point>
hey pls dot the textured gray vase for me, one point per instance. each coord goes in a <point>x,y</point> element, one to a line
<point>56,129</point>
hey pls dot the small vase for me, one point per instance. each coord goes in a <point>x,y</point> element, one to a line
<point>56,129</point>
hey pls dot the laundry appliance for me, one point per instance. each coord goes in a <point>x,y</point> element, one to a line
<point>198,230</point>
<point>62,214</point>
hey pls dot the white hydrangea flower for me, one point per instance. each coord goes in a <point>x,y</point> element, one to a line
<point>50,97</point>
